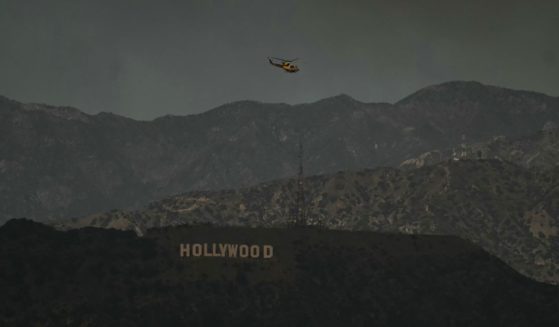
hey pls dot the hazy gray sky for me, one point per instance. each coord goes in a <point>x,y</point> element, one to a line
<point>145,59</point>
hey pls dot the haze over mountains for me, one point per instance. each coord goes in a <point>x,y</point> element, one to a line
<point>59,162</point>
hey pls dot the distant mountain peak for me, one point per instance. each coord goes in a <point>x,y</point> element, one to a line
<point>470,91</point>
<point>341,98</point>
<point>458,84</point>
<point>436,90</point>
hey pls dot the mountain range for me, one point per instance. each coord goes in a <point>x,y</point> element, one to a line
<point>58,162</point>
<point>460,158</point>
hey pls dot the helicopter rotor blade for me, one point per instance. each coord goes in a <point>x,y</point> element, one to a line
<point>285,60</point>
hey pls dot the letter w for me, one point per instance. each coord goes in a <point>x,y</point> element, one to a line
<point>232,250</point>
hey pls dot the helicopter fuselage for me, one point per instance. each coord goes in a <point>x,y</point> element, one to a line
<point>287,66</point>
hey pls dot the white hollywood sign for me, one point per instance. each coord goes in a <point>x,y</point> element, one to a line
<point>226,250</point>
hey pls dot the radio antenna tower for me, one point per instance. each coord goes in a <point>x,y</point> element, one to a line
<point>299,212</point>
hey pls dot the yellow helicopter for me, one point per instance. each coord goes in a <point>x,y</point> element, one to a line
<point>286,65</point>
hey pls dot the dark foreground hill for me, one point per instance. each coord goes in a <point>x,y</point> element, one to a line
<point>97,277</point>
<point>511,211</point>
<point>59,162</point>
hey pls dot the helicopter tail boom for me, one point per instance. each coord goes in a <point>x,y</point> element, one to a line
<point>273,63</point>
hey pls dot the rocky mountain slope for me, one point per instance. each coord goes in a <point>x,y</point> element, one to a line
<point>59,162</point>
<point>510,211</point>
<point>540,150</point>
<point>96,277</point>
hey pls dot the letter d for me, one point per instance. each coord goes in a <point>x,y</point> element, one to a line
<point>268,251</point>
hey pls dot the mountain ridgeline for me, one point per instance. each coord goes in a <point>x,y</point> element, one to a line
<point>57,162</point>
